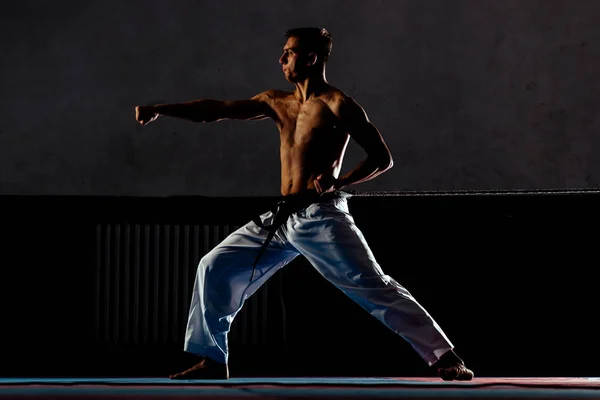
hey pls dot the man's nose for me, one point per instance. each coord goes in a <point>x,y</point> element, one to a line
<point>281,60</point>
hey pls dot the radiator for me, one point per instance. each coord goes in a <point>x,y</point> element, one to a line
<point>144,278</point>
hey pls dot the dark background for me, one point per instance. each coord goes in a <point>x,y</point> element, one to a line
<point>488,108</point>
<point>469,94</point>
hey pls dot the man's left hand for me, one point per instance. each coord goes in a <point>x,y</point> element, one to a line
<point>327,184</point>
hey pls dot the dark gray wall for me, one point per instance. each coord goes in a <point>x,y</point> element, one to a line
<point>474,94</point>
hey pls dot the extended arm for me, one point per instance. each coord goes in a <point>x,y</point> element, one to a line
<point>209,110</point>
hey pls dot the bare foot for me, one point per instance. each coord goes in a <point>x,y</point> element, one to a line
<point>451,367</point>
<point>205,369</point>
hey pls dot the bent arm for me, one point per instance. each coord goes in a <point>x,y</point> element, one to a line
<point>366,135</point>
<point>209,110</point>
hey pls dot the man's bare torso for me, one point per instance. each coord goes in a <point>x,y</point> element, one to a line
<point>312,141</point>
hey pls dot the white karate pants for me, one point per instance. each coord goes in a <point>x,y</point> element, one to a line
<point>326,235</point>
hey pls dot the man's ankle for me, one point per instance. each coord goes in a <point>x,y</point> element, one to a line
<point>448,359</point>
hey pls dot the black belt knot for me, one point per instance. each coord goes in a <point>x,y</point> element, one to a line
<point>282,210</point>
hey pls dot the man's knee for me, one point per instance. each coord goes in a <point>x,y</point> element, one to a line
<point>217,272</point>
<point>208,262</point>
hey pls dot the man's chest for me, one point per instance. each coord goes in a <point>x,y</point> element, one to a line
<point>304,123</point>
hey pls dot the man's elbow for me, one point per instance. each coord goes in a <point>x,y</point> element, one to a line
<point>386,162</point>
<point>382,160</point>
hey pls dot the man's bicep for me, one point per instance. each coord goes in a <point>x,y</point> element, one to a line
<point>258,107</point>
<point>367,136</point>
<point>363,131</point>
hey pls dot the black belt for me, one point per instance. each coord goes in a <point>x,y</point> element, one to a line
<point>283,209</point>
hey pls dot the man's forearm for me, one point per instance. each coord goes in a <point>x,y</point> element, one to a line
<point>204,110</point>
<point>365,171</point>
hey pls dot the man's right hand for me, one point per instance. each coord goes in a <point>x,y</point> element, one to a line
<point>145,114</point>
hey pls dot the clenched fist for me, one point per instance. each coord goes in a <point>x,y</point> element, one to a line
<point>145,114</point>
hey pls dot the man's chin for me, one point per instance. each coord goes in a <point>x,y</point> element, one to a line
<point>289,77</point>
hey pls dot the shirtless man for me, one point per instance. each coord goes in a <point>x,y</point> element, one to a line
<point>315,123</point>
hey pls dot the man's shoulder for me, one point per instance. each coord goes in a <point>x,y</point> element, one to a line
<point>273,94</point>
<point>337,95</point>
<point>341,103</point>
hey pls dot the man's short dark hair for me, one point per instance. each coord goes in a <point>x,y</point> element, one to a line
<point>312,39</point>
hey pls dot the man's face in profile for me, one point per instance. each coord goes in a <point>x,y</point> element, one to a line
<point>292,61</point>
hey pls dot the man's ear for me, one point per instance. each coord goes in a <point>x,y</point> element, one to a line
<point>312,59</point>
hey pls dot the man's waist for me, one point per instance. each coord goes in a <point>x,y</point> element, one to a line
<point>307,197</point>
<point>285,207</point>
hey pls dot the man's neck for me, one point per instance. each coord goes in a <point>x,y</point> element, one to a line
<point>310,87</point>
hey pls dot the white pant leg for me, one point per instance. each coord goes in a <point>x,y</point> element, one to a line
<point>327,236</point>
<point>223,284</point>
